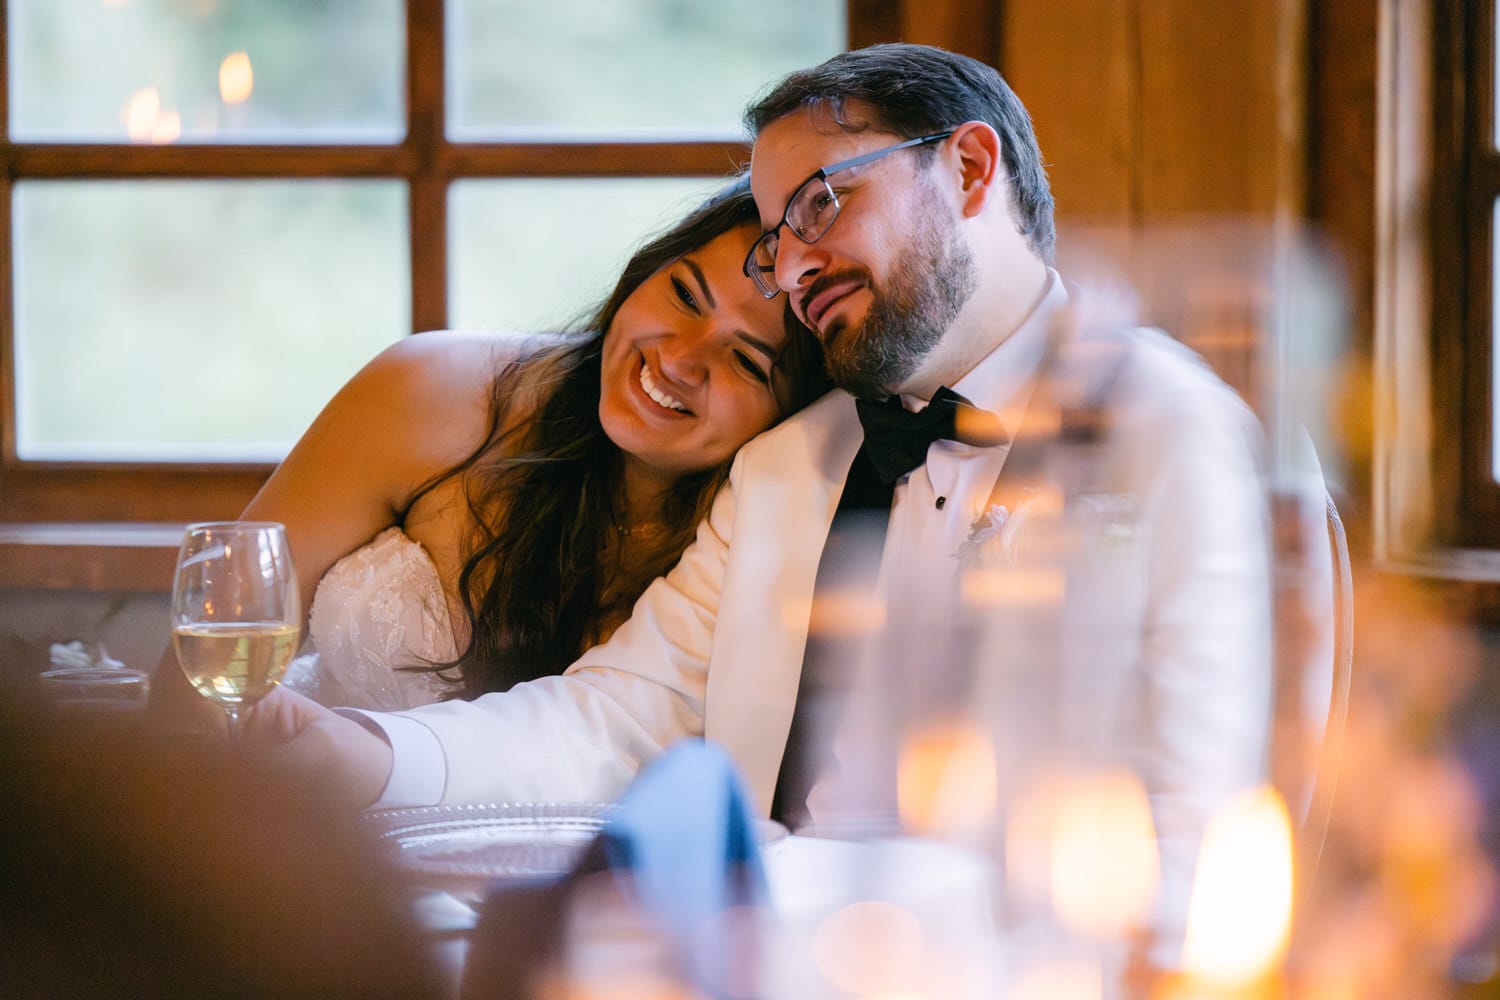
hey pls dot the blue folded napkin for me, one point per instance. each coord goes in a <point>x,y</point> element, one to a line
<point>678,851</point>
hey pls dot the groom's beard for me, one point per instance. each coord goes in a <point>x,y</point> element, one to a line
<point>930,280</point>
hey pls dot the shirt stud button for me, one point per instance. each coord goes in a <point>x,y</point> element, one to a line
<point>941,501</point>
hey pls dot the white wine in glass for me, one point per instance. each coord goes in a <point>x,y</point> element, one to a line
<point>236,617</point>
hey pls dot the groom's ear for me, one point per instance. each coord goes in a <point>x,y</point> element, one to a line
<point>975,151</point>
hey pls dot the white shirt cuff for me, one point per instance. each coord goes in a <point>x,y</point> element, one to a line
<point>419,771</point>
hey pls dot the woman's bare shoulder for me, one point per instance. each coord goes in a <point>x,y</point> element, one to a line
<point>446,368</point>
<point>430,393</point>
<point>456,359</point>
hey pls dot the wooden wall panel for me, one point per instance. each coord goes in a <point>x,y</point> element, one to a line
<point>1211,106</point>
<point>1159,109</point>
<point>1072,64</point>
<point>1176,139</point>
<point>967,26</point>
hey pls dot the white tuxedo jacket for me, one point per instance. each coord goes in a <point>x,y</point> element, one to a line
<point>1164,621</point>
<point>1181,579</point>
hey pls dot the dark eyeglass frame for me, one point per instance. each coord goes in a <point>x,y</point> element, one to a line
<point>770,240</point>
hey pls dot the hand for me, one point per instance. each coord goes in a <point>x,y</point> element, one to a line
<point>285,729</point>
<point>176,708</point>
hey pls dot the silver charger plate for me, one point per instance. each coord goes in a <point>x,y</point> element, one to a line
<point>462,844</point>
<point>515,839</point>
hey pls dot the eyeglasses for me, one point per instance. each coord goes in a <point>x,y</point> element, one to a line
<point>811,212</point>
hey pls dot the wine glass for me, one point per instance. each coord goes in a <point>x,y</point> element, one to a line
<point>236,616</point>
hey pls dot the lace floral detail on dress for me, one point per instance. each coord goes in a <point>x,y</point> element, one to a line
<point>378,609</point>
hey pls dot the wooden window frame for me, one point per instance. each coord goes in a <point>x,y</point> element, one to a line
<point>1466,186</point>
<point>102,525</point>
<point>1436,505</point>
<point>425,159</point>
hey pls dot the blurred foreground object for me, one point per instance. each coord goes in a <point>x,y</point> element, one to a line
<point>1143,629</point>
<point>135,867</point>
<point>669,899</point>
<point>85,678</point>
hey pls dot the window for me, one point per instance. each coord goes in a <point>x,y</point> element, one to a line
<point>216,210</point>
<point>1466,194</point>
<point>1437,470</point>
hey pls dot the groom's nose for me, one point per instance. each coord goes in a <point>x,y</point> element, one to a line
<point>798,264</point>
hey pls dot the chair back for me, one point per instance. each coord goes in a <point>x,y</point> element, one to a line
<point>1330,755</point>
<point>1314,604</point>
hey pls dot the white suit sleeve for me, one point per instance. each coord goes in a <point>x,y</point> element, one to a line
<point>417,772</point>
<point>582,736</point>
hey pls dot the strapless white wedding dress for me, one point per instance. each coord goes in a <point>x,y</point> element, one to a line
<point>378,609</point>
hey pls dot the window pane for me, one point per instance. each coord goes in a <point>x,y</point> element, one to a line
<point>1495,341</point>
<point>585,68</point>
<point>197,320</point>
<point>207,70</point>
<point>537,254</point>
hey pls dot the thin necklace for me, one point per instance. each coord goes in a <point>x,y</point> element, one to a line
<point>624,529</point>
<point>644,528</point>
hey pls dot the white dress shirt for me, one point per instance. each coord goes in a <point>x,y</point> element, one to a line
<point>934,510</point>
<point>935,506</point>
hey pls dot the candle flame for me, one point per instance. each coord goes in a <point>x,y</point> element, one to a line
<point>1058,981</point>
<point>1028,843</point>
<point>946,781</point>
<point>141,113</point>
<point>146,121</point>
<point>1104,862</point>
<point>992,587</point>
<point>616,984</point>
<point>1239,916</point>
<point>869,948</point>
<point>842,613</point>
<point>168,127</point>
<point>236,78</point>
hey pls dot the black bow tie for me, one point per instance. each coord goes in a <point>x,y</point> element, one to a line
<point>896,439</point>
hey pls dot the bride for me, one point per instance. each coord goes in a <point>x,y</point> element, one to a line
<point>475,510</point>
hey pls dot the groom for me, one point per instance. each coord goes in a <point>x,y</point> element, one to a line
<point>908,219</point>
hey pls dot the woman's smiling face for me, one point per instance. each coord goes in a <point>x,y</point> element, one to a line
<point>688,362</point>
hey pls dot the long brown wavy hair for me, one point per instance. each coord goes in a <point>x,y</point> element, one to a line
<point>542,489</point>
